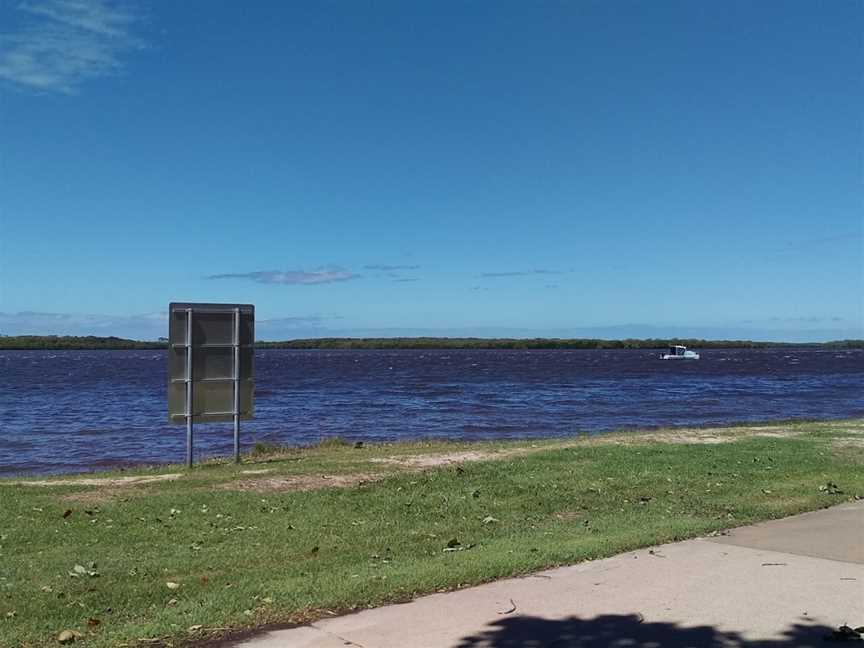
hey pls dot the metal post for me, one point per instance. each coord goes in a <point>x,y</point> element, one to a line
<point>236,385</point>
<point>189,387</point>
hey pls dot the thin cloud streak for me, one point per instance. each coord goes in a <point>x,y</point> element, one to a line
<point>300,321</point>
<point>89,15</point>
<point>806,320</point>
<point>520,273</point>
<point>816,245</point>
<point>66,43</point>
<point>390,268</point>
<point>322,275</point>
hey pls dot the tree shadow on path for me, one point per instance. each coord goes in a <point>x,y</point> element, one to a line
<point>631,631</point>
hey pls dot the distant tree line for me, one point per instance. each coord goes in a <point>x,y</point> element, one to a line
<point>94,342</point>
<point>60,342</point>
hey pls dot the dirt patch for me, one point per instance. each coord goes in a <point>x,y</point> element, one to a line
<point>260,471</point>
<point>777,435</point>
<point>774,432</point>
<point>711,437</point>
<point>106,488</point>
<point>445,459</point>
<point>449,458</point>
<point>410,463</point>
<point>764,429</point>
<point>114,482</point>
<point>851,432</point>
<point>300,482</point>
<point>850,426</point>
<point>848,442</point>
<point>684,436</point>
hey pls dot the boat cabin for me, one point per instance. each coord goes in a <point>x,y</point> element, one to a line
<point>679,352</point>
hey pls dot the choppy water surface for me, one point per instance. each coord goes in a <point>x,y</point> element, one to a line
<point>81,410</point>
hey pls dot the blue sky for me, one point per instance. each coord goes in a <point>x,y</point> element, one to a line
<point>487,168</point>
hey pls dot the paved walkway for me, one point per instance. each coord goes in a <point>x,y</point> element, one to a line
<point>785,583</point>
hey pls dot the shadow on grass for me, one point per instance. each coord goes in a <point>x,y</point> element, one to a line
<point>630,631</point>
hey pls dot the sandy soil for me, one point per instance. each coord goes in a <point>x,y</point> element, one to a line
<point>444,459</point>
<point>100,481</point>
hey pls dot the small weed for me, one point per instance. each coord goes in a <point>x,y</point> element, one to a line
<point>263,448</point>
<point>333,442</point>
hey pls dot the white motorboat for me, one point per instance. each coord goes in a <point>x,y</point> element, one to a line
<point>678,352</point>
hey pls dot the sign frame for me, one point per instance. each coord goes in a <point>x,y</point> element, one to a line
<point>210,346</point>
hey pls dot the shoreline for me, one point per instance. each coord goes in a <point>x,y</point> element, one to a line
<point>250,454</point>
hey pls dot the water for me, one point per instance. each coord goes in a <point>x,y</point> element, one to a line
<point>80,410</point>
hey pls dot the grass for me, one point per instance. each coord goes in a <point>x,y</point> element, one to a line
<point>242,547</point>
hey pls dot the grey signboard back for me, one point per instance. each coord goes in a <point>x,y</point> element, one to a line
<point>211,370</point>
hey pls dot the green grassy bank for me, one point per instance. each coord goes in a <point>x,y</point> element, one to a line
<point>166,557</point>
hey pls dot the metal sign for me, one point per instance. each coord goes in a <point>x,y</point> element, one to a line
<point>210,366</point>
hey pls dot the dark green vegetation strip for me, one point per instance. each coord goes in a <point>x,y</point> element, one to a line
<point>180,560</point>
<point>92,342</point>
<point>61,342</point>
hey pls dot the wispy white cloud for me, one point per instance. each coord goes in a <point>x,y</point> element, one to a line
<point>393,272</point>
<point>516,273</point>
<point>390,268</point>
<point>89,15</point>
<point>322,275</point>
<point>297,320</point>
<point>813,319</point>
<point>520,273</point>
<point>63,43</point>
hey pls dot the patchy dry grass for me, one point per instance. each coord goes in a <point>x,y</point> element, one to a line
<point>104,482</point>
<point>447,458</point>
<point>300,482</point>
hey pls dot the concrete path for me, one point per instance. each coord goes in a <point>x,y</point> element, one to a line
<point>785,583</point>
